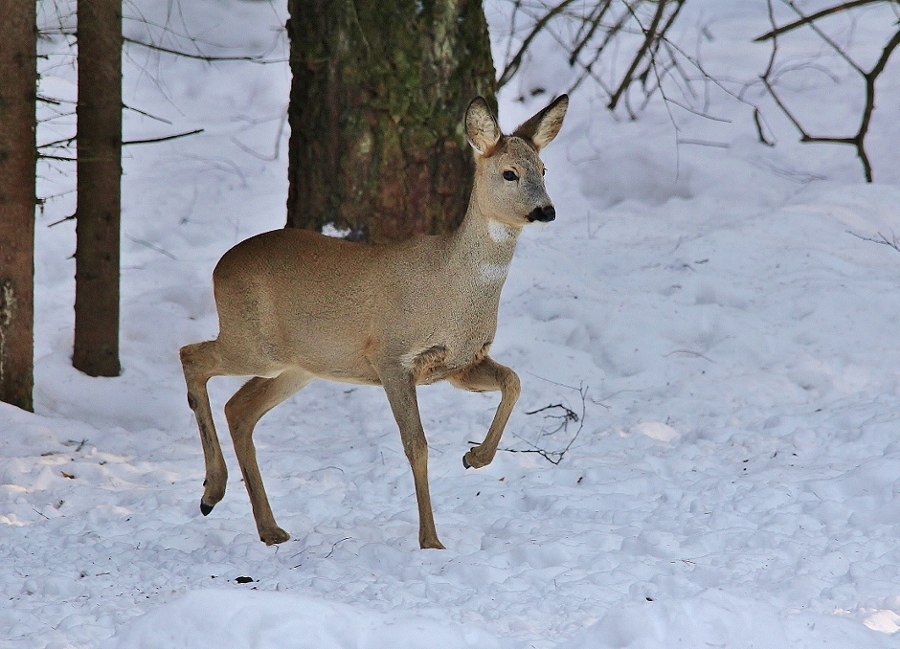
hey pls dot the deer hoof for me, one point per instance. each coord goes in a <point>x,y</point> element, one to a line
<point>205,509</point>
<point>472,461</point>
<point>274,536</point>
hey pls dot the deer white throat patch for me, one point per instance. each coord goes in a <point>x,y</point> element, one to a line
<point>493,272</point>
<point>498,232</point>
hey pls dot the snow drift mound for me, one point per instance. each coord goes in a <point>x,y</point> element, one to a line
<point>265,620</point>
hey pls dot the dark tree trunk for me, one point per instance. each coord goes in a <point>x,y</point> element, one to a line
<point>377,98</point>
<point>18,79</point>
<point>99,187</point>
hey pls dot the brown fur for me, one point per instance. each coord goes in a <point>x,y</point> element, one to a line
<point>295,305</point>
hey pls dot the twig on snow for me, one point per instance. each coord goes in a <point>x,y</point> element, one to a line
<point>567,417</point>
<point>893,242</point>
<point>336,543</point>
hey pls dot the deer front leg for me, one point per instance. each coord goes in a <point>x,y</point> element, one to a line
<point>399,384</point>
<point>488,376</point>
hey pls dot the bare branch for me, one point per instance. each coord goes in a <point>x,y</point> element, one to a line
<point>812,17</point>
<point>840,52</point>
<point>650,34</point>
<point>513,66</point>
<point>59,158</point>
<point>162,139</point>
<point>145,114</point>
<point>858,139</point>
<point>202,57</point>
<point>757,119</point>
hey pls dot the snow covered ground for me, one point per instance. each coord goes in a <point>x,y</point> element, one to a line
<point>735,479</point>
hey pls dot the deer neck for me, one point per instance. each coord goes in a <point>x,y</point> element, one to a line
<point>482,247</point>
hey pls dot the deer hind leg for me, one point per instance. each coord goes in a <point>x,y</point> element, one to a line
<point>200,362</point>
<point>399,384</point>
<point>488,376</point>
<point>243,411</point>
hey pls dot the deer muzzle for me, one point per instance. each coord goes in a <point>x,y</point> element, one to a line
<point>542,214</point>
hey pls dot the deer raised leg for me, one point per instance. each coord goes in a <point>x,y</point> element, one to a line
<point>489,376</point>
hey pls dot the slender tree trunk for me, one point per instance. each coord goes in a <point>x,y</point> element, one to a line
<point>377,98</point>
<point>18,79</point>
<point>99,187</point>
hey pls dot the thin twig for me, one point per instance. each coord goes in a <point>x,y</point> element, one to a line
<point>858,139</point>
<point>813,17</point>
<point>145,114</point>
<point>650,34</point>
<point>62,220</point>
<point>147,244</point>
<point>758,119</point>
<point>165,138</point>
<point>335,544</point>
<point>44,156</point>
<point>893,242</point>
<point>202,57</point>
<point>840,52</point>
<point>689,353</point>
<point>514,64</point>
<point>555,457</point>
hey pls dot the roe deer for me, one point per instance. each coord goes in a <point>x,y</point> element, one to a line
<point>296,305</point>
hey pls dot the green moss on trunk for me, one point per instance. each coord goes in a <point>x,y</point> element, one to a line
<point>376,104</point>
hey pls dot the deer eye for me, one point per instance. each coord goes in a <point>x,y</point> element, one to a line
<point>510,175</point>
<point>544,171</point>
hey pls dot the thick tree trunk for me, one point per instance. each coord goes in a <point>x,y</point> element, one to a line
<point>18,79</point>
<point>99,187</point>
<point>377,98</point>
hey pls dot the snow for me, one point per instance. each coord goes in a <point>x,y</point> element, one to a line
<point>733,481</point>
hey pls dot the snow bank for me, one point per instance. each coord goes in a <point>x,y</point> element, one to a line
<point>254,620</point>
<point>716,619</point>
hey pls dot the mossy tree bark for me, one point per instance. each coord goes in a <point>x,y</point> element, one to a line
<point>99,170</point>
<point>18,79</point>
<point>377,99</point>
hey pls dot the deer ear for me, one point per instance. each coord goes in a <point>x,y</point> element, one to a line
<point>543,127</point>
<point>482,131</point>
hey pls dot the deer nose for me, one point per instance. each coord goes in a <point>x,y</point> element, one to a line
<point>543,214</point>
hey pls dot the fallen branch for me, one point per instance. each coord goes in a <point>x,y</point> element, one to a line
<point>893,242</point>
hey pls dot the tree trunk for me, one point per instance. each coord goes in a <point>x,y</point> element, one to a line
<point>99,187</point>
<point>377,99</point>
<point>18,79</point>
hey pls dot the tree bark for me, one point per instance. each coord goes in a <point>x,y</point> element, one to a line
<point>376,105</point>
<point>18,154</point>
<point>99,172</point>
